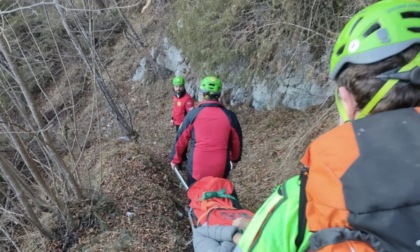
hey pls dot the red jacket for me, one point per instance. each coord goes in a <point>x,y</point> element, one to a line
<point>181,106</point>
<point>216,139</point>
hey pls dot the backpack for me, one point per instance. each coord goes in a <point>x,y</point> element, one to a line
<point>212,202</point>
<point>362,188</point>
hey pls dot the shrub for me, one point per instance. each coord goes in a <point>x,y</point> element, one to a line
<point>216,34</point>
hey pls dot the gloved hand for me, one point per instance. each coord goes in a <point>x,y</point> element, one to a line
<point>172,123</point>
<point>174,165</point>
<point>233,165</point>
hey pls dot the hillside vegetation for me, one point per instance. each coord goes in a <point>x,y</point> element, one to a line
<point>265,36</point>
<point>84,150</point>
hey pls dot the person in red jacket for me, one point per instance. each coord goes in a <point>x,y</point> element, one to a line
<point>182,102</point>
<point>215,135</point>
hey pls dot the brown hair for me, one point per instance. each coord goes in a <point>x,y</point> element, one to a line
<point>361,81</point>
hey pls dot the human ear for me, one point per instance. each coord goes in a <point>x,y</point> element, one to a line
<point>349,103</point>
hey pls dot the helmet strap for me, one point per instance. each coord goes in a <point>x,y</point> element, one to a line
<point>208,96</point>
<point>392,80</point>
<point>179,94</point>
<point>412,76</point>
<point>214,96</point>
<point>407,73</point>
<point>340,107</point>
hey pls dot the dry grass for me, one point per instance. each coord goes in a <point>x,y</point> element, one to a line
<point>271,36</point>
<point>274,142</point>
<point>136,177</point>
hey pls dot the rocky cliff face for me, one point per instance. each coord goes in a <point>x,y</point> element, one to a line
<point>291,89</point>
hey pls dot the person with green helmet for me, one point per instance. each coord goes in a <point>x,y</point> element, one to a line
<point>359,187</point>
<point>182,102</point>
<point>214,133</point>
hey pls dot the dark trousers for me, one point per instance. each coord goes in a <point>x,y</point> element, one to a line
<point>190,179</point>
<point>184,155</point>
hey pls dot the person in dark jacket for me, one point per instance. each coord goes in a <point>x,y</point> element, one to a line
<point>359,187</point>
<point>214,134</point>
<point>182,102</point>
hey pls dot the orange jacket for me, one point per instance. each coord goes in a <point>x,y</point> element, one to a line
<point>365,175</point>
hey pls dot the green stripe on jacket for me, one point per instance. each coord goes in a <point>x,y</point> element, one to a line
<point>275,225</point>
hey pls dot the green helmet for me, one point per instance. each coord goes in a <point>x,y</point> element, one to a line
<point>211,85</point>
<point>178,81</point>
<point>377,32</point>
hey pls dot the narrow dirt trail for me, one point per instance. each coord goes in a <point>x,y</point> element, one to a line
<point>147,211</point>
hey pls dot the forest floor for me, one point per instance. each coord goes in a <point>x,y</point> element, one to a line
<point>138,204</point>
<point>145,200</point>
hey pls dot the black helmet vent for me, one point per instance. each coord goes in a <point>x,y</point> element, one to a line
<point>355,24</point>
<point>414,29</point>
<point>340,51</point>
<point>410,14</point>
<point>372,29</point>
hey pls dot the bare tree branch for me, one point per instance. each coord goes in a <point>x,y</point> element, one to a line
<point>31,7</point>
<point>38,119</point>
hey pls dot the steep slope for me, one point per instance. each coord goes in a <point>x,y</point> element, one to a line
<point>139,181</point>
<point>136,203</point>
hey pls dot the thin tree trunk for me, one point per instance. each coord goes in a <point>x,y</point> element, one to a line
<point>130,27</point>
<point>9,238</point>
<point>15,99</point>
<point>98,79</point>
<point>40,123</point>
<point>101,4</point>
<point>17,142</point>
<point>6,168</point>
<point>148,2</point>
